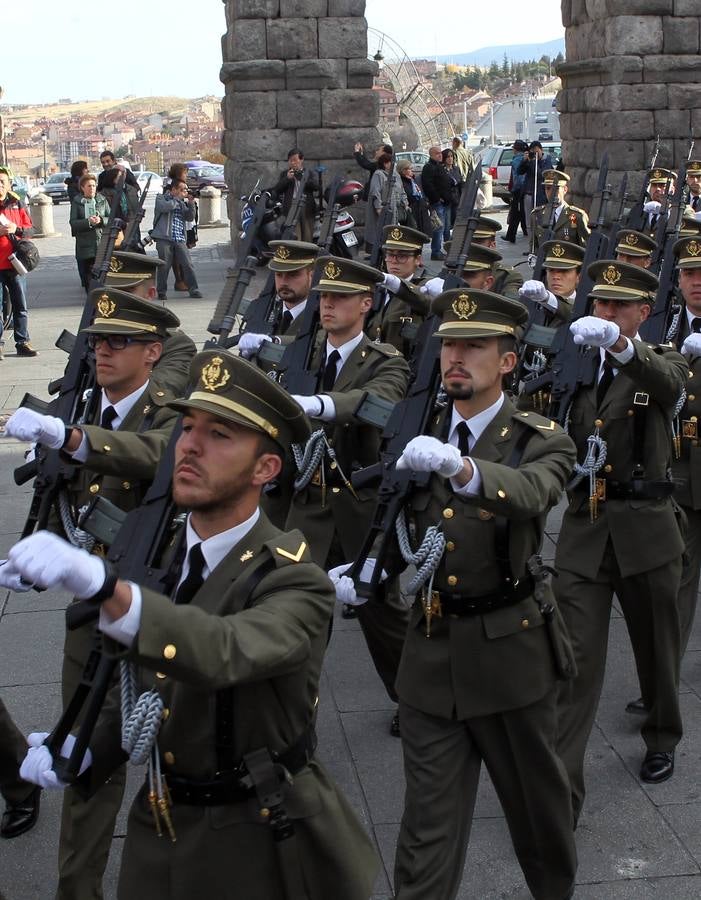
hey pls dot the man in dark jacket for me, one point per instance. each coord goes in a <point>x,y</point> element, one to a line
<point>437,186</point>
<point>288,186</point>
<point>535,162</point>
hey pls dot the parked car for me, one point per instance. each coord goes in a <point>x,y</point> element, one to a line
<point>56,187</point>
<point>155,185</point>
<point>417,158</point>
<point>204,176</point>
<point>496,160</point>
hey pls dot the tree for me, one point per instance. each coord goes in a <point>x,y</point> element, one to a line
<point>505,66</point>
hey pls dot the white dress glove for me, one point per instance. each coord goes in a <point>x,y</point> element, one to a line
<point>653,207</point>
<point>47,560</point>
<point>595,332</point>
<point>690,347</point>
<point>249,344</point>
<point>11,579</point>
<point>433,287</point>
<point>428,454</point>
<point>37,766</point>
<point>345,586</point>
<point>392,282</point>
<point>27,425</point>
<point>311,405</point>
<point>537,292</point>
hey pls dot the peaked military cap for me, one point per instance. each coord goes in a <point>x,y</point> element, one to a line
<point>117,312</point>
<point>399,237</point>
<point>691,227</point>
<point>554,176</point>
<point>688,252</point>
<point>336,275</point>
<point>486,228</point>
<point>481,258</point>
<point>290,256</point>
<point>693,167</point>
<point>470,314</point>
<point>660,176</point>
<point>129,269</point>
<point>562,255</point>
<point>635,243</point>
<point>614,280</point>
<point>235,390</point>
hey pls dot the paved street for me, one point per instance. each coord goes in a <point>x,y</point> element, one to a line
<point>635,842</point>
<point>517,119</point>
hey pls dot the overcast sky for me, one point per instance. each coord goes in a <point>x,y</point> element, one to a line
<point>163,48</point>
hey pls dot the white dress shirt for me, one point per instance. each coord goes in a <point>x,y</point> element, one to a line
<point>214,550</point>
<point>477,425</point>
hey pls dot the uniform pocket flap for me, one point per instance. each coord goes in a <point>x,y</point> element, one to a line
<point>516,619</point>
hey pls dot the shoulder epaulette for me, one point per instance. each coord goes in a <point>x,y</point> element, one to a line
<point>384,349</point>
<point>289,548</point>
<point>538,423</point>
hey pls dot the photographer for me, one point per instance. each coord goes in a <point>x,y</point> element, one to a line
<point>287,189</point>
<point>174,208</point>
<point>535,162</point>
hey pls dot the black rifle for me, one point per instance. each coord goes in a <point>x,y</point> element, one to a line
<point>76,399</point>
<point>617,219</point>
<point>131,241</point>
<point>637,215</point>
<point>411,416</point>
<point>550,213</point>
<point>566,371</point>
<point>387,216</point>
<point>654,329</point>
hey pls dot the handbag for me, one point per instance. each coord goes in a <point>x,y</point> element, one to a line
<point>26,252</point>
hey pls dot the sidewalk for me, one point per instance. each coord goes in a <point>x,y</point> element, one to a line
<point>635,842</point>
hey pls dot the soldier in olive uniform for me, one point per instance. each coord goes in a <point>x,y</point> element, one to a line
<point>135,273</point>
<point>563,266</point>
<point>693,179</point>
<point>116,458</point>
<point>634,248</point>
<point>626,400</point>
<point>691,226</point>
<point>399,307</point>
<point>235,658</point>
<point>507,280</point>
<point>478,675</point>
<point>332,514</point>
<point>21,798</point>
<point>660,183</point>
<point>293,265</point>
<point>571,222</point>
<point>479,271</point>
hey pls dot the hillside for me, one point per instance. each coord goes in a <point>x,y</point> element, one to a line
<point>96,108</point>
<point>484,56</point>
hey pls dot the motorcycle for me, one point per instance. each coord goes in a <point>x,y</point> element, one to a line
<point>269,228</point>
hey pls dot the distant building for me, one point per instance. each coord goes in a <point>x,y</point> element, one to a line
<point>389,106</point>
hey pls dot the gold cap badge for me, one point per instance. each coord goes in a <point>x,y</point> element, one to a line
<point>611,275</point>
<point>693,248</point>
<point>331,270</point>
<point>631,239</point>
<point>464,307</point>
<point>558,250</point>
<point>105,306</point>
<point>396,234</point>
<point>116,265</point>
<point>215,375</point>
<point>282,253</point>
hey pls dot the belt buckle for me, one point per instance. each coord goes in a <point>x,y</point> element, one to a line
<point>690,428</point>
<point>641,399</point>
<point>600,489</point>
<point>316,477</point>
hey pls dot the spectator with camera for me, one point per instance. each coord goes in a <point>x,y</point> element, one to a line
<point>534,163</point>
<point>287,190</point>
<point>15,223</point>
<point>175,207</point>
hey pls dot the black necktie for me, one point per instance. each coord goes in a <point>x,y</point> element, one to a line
<point>604,383</point>
<point>463,439</point>
<point>329,378</point>
<point>109,414</point>
<point>696,325</point>
<point>696,202</point>
<point>653,221</point>
<point>286,321</point>
<point>193,582</point>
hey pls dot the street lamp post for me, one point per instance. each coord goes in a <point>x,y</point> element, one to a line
<point>491,111</point>
<point>43,140</point>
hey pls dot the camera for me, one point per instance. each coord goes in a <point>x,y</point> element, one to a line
<point>298,174</point>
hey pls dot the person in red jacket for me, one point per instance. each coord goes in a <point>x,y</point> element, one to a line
<point>14,220</point>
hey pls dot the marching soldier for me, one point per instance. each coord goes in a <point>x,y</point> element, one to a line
<point>660,183</point>
<point>479,271</point>
<point>693,179</point>
<point>401,305</point>
<point>333,514</point>
<point>507,280</point>
<point>571,222</point>
<point>135,273</point>
<point>478,675</point>
<point>234,660</point>
<point>563,266</point>
<point>634,248</point>
<point>116,456</point>
<point>627,402</point>
<point>293,265</point>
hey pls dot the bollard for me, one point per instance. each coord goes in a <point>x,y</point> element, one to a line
<point>41,210</point>
<point>487,188</point>
<point>210,208</point>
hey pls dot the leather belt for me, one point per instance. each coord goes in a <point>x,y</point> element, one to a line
<point>635,490</point>
<point>461,605</point>
<point>234,786</point>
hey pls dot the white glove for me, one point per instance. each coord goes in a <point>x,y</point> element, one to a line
<point>537,292</point>
<point>433,287</point>
<point>47,560</point>
<point>11,579</point>
<point>249,344</point>
<point>311,405</point>
<point>595,332</point>
<point>27,425</point>
<point>428,454</point>
<point>690,347</point>
<point>37,766</point>
<point>652,206</point>
<point>481,199</point>
<point>392,282</point>
<point>345,586</point>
